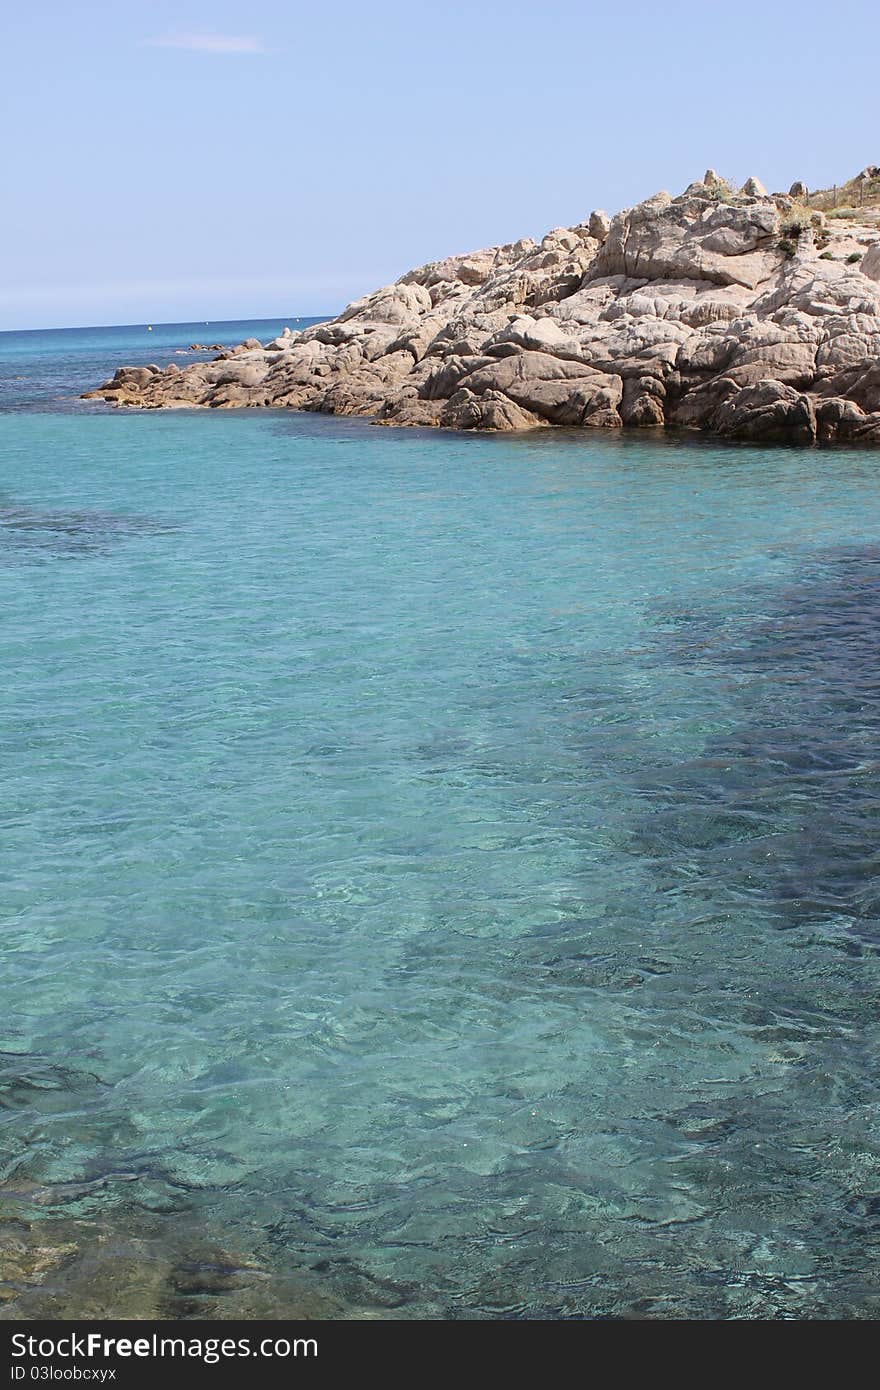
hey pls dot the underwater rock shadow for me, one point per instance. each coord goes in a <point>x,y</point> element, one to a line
<point>786,807</point>
<point>32,534</point>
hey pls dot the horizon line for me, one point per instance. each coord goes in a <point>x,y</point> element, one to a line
<point>171,323</point>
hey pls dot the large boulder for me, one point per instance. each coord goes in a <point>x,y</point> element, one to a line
<point>693,238</point>
<point>561,392</point>
<point>599,224</point>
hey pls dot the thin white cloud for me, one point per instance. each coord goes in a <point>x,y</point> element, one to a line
<point>210,43</point>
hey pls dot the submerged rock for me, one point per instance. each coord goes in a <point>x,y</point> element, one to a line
<point>148,1267</point>
<point>715,310</point>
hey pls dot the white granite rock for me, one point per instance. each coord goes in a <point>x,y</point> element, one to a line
<point>716,310</point>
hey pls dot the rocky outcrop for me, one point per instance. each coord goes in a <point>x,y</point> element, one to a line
<point>736,312</point>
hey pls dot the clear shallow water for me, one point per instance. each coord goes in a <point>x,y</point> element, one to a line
<point>442,866</point>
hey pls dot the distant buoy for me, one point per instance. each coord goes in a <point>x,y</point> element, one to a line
<point>149,328</point>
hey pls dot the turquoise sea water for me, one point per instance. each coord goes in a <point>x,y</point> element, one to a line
<point>442,866</point>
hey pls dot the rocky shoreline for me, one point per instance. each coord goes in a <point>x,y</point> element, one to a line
<point>737,312</point>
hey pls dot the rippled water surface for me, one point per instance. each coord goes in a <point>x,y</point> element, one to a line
<point>441,869</point>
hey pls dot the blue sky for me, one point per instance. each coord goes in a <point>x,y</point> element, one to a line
<point>205,161</point>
